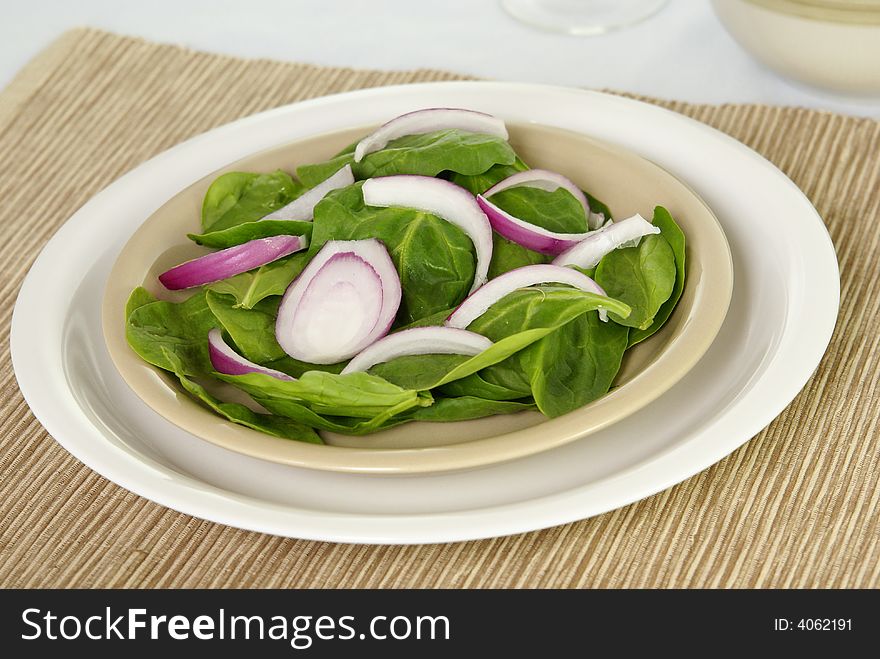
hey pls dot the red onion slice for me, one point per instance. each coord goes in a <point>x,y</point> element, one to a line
<point>544,179</point>
<point>344,300</point>
<point>531,275</point>
<point>419,341</point>
<point>443,199</point>
<point>427,121</point>
<point>588,252</point>
<point>231,261</point>
<point>226,360</point>
<point>303,207</point>
<point>526,234</point>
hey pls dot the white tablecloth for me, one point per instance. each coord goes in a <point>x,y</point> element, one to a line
<point>683,52</point>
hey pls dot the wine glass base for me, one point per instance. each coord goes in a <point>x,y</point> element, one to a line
<point>582,17</point>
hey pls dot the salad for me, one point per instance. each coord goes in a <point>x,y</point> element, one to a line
<point>425,273</point>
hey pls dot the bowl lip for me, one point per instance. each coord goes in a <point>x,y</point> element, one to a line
<point>688,348</point>
<point>854,14</point>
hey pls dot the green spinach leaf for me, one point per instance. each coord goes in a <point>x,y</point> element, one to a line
<point>507,255</point>
<point>539,308</point>
<point>443,410</point>
<point>641,276</point>
<point>596,206</point>
<point>390,389</point>
<point>359,395</point>
<point>242,233</point>
<point>157,329</point>
<point>387,418</point>
<point>252,330</point>
<point>426,155</point>
<point>435,319</point>
<point>675,237</point>
<point>238,197</point>
<point>465,408</point>
<point>418,372</point>
<point>557,211</point>
<point>475,386</point>
<point>574,365</point>
<point>139,297</point>
<point>249,288</point>
<point>547,308</point>
<point>295,367</point>
<point>424,372</point>
<point>515,322</point>
<point>479,183</point>
<point>270,424</point>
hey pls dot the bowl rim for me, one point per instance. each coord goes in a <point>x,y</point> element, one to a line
<point>684,351</point>
<point>857,14</point>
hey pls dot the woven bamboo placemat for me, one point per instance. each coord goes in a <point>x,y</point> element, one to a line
<point>795,507</point>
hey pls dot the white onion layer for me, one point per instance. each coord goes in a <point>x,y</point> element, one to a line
<point>225,360</point>
<point>427,121</point>
<point>419,341</point>
<point>303,207</point>
<point>345,299</point>
<point>590,251</point>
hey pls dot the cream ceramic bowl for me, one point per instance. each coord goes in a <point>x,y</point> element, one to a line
<point>626,182</point>
<point>834,44</point>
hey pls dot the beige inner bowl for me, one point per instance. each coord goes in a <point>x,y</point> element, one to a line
<point>623,180</point>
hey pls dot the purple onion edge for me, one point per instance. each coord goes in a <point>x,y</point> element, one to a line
<point>522,235</point>
<point>227,365</point>
<point>180,276</point>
